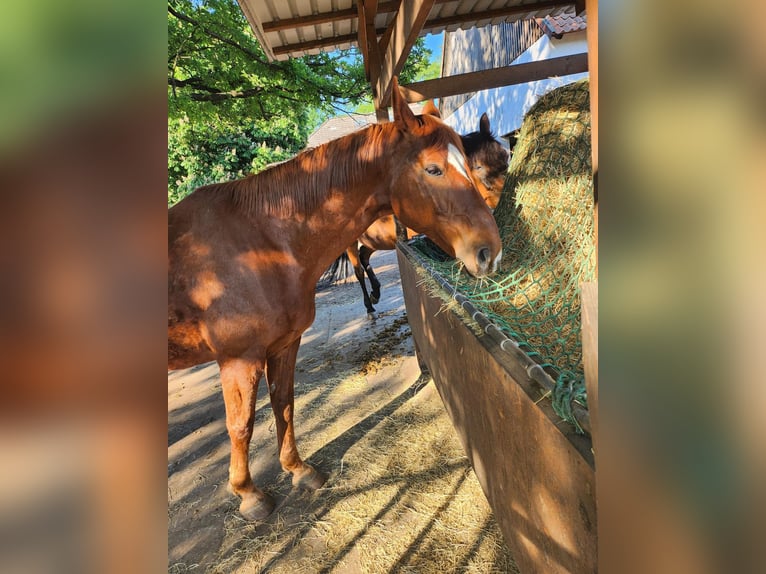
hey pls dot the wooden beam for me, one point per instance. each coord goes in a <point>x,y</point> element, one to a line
<point>313,20</point>
<point>495,78</point>
<point>386,37</point>
<point>592,35</point>
<point>372,53</point>
<point>320,43</point>
<point>409,23</point>
<point>589,313</point>
<point>497,13</point>
<point>361,32</point>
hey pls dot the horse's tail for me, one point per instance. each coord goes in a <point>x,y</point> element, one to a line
<point>340,269</point>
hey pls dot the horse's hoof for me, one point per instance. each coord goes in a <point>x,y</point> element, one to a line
<point>375,298</point>
<point>256,506</point>
<point>371,316</point>
<point>309,479</point>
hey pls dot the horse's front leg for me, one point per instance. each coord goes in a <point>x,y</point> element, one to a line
<point>280,374</point>
<point>239,382</point>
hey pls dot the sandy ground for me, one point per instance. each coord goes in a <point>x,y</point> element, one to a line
<point>400,497</point>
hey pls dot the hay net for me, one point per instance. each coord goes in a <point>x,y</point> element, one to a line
<point>545,217</point>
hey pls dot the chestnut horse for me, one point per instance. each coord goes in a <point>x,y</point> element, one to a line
<point>244,258</point>
<point>488,161</point>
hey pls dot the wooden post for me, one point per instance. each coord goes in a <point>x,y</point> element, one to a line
<point>592,33</point>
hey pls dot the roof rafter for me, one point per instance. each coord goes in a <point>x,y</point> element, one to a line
<point>407,26</point>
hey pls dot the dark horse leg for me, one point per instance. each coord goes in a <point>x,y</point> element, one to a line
<point>280,373</point>
<point>364,258</point>
<point>353,253</point>
<point>239,382</point>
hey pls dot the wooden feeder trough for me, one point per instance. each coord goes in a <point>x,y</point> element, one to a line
<point>535,469</point>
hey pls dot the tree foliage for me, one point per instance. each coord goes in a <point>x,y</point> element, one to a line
<point>231,111</point>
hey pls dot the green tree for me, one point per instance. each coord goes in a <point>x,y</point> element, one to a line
<point>231,111</point>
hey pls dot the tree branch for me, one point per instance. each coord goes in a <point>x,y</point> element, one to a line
<point>220,38</point>
<point>195,83</point>
<point>217,95</point>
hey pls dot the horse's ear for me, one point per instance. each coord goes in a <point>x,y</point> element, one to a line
<point>402,112</point>
<point>484,124</point>
<point>430,109</point>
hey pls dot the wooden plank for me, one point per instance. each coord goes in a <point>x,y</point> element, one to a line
<point>408,24</point>
<point>386,37</point>
<point>589,311</point>
<point>540,486</point>
<point>372,54</point>
<point>592,35</point>
<point>495,78</point>
<point>319,43</point>
<point>361,34</point>
<point>312,20</point>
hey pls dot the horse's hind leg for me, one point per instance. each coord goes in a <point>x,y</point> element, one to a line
<point>239,381</point>
<point>353,255</point>
<point>364,257</point>
<point>280,373</point>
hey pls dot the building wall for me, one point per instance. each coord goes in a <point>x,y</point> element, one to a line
<point>506,106</point>
<point>477,49</point>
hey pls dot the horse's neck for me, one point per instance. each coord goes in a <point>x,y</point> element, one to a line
<point>345,217</point>
<point>352,192</point>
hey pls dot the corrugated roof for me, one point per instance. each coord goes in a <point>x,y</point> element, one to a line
<point>293,28</point>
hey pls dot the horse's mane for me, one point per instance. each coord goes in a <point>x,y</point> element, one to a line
<point>301,184</point>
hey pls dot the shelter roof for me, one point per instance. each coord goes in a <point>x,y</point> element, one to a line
<point>295,28</point>
<point>385,32</point>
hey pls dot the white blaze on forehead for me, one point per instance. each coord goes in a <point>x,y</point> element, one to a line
<point>456,159</point>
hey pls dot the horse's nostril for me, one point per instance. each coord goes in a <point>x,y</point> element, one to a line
<point>483,256</point>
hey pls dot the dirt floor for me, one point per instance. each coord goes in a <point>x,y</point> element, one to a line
<point>401,495</point>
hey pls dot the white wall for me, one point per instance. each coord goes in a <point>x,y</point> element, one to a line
<point>506,106</point>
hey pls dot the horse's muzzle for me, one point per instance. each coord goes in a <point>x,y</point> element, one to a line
<point>485,265</point>
<point>480,262</point>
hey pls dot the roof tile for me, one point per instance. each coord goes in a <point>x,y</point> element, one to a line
<point>557,26</point>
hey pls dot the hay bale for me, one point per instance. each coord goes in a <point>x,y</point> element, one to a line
<point>545,218</point>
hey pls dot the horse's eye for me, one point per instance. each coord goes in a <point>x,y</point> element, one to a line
<point>433,170</point>
<point>478,167</point>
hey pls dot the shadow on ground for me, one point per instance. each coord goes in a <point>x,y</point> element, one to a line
<point>400,494</point>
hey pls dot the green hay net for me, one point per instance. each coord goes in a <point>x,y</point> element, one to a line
<point>545,217</point>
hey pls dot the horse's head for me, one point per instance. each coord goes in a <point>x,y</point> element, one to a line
<point>434,192</point>
<point>488,160</point>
